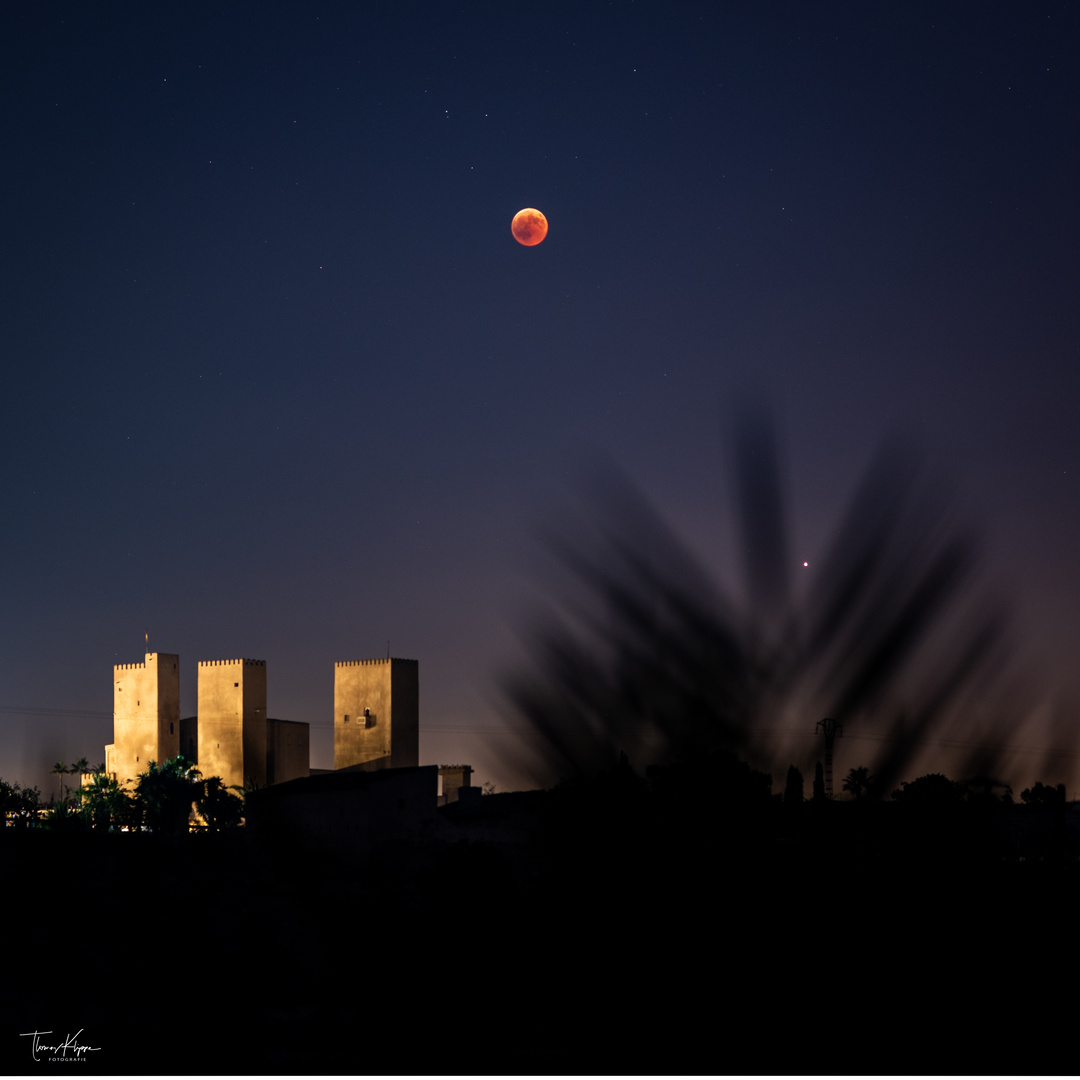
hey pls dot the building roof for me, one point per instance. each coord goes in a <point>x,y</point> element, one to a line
<point>352,779</point>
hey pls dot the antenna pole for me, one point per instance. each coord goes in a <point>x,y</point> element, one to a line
<point>831,730</point>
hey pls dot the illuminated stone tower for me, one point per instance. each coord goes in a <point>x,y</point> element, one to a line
<point>232,720</point>
<point>377,713</point>
<point>146,715</point>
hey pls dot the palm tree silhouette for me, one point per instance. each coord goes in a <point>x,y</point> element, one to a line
<point>61,770</point>
<point>859,782</point>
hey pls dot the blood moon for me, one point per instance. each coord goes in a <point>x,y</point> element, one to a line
<point>529,227</point>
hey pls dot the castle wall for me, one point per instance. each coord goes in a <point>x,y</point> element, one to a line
<point>377,713</point>
<point>232,720</point>
<point>146,715</point>
<point>189,738</point>
<point>405,710</point>
<point>288,750</point>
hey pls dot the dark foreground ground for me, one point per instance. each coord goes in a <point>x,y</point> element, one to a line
<point>609,952</point>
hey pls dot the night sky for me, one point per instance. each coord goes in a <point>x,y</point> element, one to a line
<point>279,383</point>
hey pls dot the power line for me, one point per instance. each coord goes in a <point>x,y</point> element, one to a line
<point>30,710</point>
<point>519,731</point>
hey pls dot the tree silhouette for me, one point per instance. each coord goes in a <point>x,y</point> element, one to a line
<point>105,804</point>
<point>165,794</point>
<point>18,805</point>
<point>60,770</point>
<point>1044,794</point>
<point>932,790</point>
<point>858,783</point>
<point>219,808</point>
<point>793,789</point>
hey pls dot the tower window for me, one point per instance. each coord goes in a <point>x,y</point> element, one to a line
<point>346,718</point>
<point>236,684</point>
<point>170,727</point>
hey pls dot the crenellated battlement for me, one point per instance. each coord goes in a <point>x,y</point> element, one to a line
<point>229,735</point>
<point>376,713</point>
<point>380,660</point>
<point>222,663</point>
<point>150,656</point>
<point>146,713</point>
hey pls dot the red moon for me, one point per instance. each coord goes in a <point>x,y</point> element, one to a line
<point>529,227</point>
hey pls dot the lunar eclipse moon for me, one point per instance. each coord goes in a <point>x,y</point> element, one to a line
<point>529,227</point>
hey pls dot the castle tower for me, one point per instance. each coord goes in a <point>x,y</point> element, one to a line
<point>232,720</point>
<point>146,715</point>
<point>377,713</point>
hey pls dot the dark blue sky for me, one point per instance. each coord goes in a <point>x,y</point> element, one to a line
<point>280,384</point>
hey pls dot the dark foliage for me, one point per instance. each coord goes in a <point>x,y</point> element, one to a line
<point>793,789</point>
<point>650,658</point>
<point>166,794</point>
<point>933,790</point>
<point>859,783</point>
<point>1044,795</point>
<point>106,805</point>
<point>219,808</point>
<point>19,806</point>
